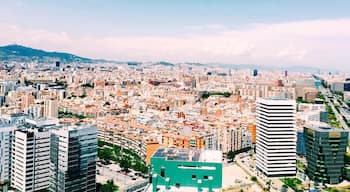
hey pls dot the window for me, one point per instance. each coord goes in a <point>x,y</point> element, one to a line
<point>193,176</point>
<point>205,177</point>
<point>162,172</point>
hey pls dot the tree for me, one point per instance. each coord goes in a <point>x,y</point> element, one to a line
<point>104,154</point>
<point>107,187</point>
<point>125,163</point>
<point>254,178</point>
<point>227,94</point>
<point>231,155</point>
<point>268,184</point>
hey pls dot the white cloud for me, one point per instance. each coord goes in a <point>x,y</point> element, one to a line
<point>323,43</point>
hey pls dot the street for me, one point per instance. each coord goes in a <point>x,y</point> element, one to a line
<point>339,117</point>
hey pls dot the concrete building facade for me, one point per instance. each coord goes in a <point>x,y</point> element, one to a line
<point>276,137</point>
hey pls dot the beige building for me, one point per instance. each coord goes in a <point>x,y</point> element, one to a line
<point>51,108</point>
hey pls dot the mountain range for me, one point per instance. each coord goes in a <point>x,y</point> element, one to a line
<point>21,53</point>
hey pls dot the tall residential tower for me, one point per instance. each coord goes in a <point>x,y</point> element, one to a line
<point>30,160</point>
<point>5,149</point>
<point>276,137</point>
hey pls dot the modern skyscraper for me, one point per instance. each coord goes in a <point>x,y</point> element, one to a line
<point>73,153</point>
<point>31,160</point>
<point>255,72</point>
<point>57,64</point>
<point>276,137</point>
<point>5,146</point>
<point>325,152</point>
<point>51,108</point>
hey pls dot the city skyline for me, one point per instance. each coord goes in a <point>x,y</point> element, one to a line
<point>313,34</point>
<point>160,95</point>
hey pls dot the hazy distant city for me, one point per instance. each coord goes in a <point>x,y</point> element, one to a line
<point>256,102</point>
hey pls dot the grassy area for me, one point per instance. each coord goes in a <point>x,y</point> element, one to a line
<point>332,119</point>
<point>208,94</point>
<point>301,166</point>
<point>62,114</point>
<point>301,100</point>
<point>293,183</point>
<point>321,96</point>
<point>124,157</point>
<point>338,189</point>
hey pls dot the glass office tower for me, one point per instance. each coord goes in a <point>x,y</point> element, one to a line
<point>325,152</point>
<point>73,153</point>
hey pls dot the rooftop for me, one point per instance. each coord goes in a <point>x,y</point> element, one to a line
<point>161,188</point>
<point>179,154</point>
<point>326,129</point>
<point>276,100</point>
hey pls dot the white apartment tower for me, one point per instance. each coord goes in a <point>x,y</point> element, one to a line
<point>5,147</point>
<point>276,137</point>
<point>31,160</point>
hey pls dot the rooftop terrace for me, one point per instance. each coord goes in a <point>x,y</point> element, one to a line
<point>179,154</point>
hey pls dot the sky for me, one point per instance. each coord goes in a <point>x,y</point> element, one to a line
<point>314,33</point>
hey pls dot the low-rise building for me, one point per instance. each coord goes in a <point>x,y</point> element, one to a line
<point>181,168</point>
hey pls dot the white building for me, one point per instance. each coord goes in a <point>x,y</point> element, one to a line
<point>239,139</point>
<point>31,160</point>
<point>337,86</point>
<point>276,137</point>
<point>5,146</point>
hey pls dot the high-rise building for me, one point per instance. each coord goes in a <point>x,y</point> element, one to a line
<point>57,64</point>
<point>255,72</point>
<point>51,108</point>
<point>31,160</point>
<point>276,137</point>
<point>73,153</point>
<point>5,147</point>
<point>325,152</point>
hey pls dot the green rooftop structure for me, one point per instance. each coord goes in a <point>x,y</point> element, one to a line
<point>325,154</point>
<point>186,168</point>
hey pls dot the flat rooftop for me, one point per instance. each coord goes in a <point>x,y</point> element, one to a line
<point>161,188</point>
<point>179,154</point>
<point>326,129</point>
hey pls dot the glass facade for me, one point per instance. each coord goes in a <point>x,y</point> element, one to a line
<point>300,144</point>
<point>73,159</point>
<point>325,154</point>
